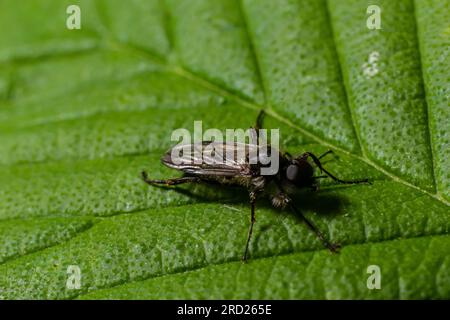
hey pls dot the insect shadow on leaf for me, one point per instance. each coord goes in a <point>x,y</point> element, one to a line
<point>322,203</point>
<point>207,192</point>
<point>294,173</point>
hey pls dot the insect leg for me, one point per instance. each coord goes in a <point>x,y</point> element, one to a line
<point>319,165</point>
<point>259,120</point>
<point>255,131</point>
<point>315,186</point>
<point>168,182</point>
<point>333,247</point>
<point>324,154</point>
<point>252,222</point>
<point>287,155</point>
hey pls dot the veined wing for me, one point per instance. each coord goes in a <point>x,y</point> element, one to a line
<point>213,158</point>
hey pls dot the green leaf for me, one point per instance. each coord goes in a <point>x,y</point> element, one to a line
<point>83,112</point>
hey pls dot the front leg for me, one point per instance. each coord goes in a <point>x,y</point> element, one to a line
<point>322,169</point>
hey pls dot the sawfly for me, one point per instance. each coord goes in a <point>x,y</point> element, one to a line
<point>292,173</point>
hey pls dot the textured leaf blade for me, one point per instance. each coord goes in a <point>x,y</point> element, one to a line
<point>71,152</point>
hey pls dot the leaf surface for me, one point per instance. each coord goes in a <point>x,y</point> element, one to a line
<point>83,112</point>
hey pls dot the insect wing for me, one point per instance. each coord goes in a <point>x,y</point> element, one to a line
<point>211,158</point>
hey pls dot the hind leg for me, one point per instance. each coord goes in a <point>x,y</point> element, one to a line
<point>168,182</point>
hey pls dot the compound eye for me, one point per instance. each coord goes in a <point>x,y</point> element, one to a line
<point>292,172</point>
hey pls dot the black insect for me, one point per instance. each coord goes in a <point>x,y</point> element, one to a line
<point>293,173</point>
